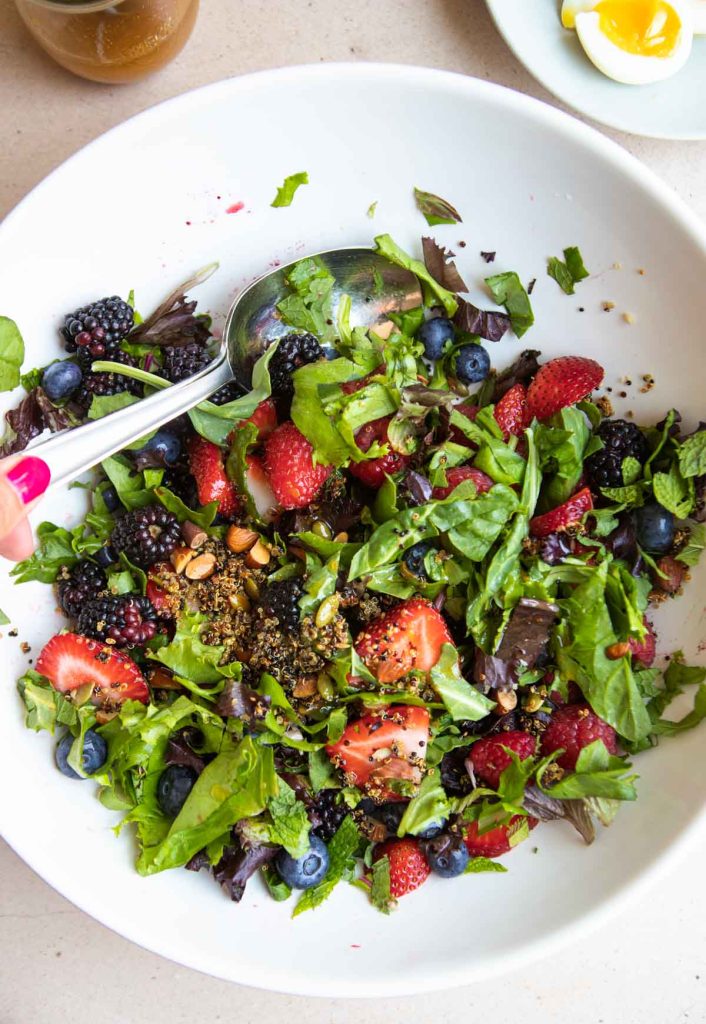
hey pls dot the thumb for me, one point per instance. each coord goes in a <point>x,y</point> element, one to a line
<point>22,481</point>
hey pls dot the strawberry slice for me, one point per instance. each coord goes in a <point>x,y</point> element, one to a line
<point>562,382</point>
<point>408,637</point>
<point>383,745</point>
<point>212,482</point>
<point>294,477</point>
<point>70,661</point>
<point>156,593</point>
<point>511,411</point>
<point>644,651</point>
<point>457,435</point>
<point>496,841</point>
<point>457,475</point>
<point>569,514</point>
<point>372,473</point>
<point>261,489</point>
<point>408,865</point>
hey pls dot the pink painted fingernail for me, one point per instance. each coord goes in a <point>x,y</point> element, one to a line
<point>30,477</point>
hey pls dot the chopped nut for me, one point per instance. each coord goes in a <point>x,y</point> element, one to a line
<point>385,329</point>
<point>103,716</point>
<point>195,536</point>
<point>506,700</point>
<point>607,306</point>
<point>629,318</point>
<point>238,539</point>
<point>258,555</point>
<point>180,558</point>
<point>201,567</point>
<point>616,651</point>
<point>305,687</point>
<point>605,405</point>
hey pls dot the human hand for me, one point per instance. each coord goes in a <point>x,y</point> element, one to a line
<point>23,480</point>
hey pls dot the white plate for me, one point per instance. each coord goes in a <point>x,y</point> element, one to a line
<point>674,109</point>
<point>140,208</point>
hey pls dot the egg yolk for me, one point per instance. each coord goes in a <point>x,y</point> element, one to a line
<point>649,28</point>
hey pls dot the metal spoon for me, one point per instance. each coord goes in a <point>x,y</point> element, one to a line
<point>375,287</point>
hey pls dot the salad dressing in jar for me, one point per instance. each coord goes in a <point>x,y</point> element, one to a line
<point>110,40</point>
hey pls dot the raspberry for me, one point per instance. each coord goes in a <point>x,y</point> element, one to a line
<point>620,439</point>
<point>99,328</point>
<point>78,585</point>
<point>146,535</point>
<point>643,651</point>
<point>293,351</point>
<point>281,600</point>
<point>123,620</point>
<point>184,361</point>
<point>372,472</point>
<point>329,812</point>
<point>574,727</point>
<point>488,759</point>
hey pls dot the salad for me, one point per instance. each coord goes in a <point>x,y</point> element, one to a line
<point>378,618</point>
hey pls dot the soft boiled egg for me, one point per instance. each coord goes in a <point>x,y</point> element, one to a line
<point>636,41</point>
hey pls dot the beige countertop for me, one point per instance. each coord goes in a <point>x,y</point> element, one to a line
<point>57,964</point>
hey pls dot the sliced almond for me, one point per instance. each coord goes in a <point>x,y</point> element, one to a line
<point>201,567</point>
<point>238,539</point>
<point>180,558</point>
<point>506,700</point>
<point>258,555</point>
<point>195,536</point>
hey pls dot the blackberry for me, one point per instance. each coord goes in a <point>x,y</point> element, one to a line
<point>281,600</point>
<point>146,535</point>
<point>329,813</point>
<point>293,351</point>
<point>620,440</point>
<point>85,358</point>
<point>78,585</point>
<point>124,620</point>
<point>99,327</point>
<point>228,393</point>
<point>106,383</point>
<point>180,481</point>
<point>184,361</point>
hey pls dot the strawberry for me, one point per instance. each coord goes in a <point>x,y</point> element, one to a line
<point>562,382</point>
<point>206,465</point>
<point>408,865</point>
<point>408,637</point>
<point>294,478</point>
<point>372,473</point>
<point>349,387</point>
<point>261,489</point>
<point>644,651</point>
<point>383,745</point>
<point>489,759</point>
<point>496,841</point>
<point>457,475</point>
<point>70,661</point>
<point>511,411</point>
<point>574,727</point>
<point>264,418</point>
<point>457,435</point>
<point>563,516</point>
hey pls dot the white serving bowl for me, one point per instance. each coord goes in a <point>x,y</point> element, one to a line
<point>144,206</point>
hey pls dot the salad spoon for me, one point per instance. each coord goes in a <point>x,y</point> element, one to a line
<point>374,286</point>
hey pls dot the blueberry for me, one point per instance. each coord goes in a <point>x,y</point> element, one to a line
<point>472,363</point>
<point>105,556</point>
<point>175,784</point>
<point>655,527</point>
<point>434,334</point>
<point>447,855</point>
<point>95,751</point>
<point>413,560</point>
<point>163,445</point>
<point>61,380</point>
<point>304,872</point>
<point>390,815</point>
<point>110,497</point>
<point>433,830</point>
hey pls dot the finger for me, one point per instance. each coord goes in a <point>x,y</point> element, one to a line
<point>22,482</point>
<point>18,543</point>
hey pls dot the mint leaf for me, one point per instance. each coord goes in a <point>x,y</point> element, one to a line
<point>631,469</point>
<point>672,491</point>
<point>575,264</point>
<point>380,895</point>
<point>598,774</point>
<point>290,822</point>
<point>12,353</point>
<point>692,455</point>
<point>309,306</point>
<point>508,291</point>
<point>461,699</point>
<point>568,273</point>
<point>476,865</point>
<point>322,774</point>
<point>691,554</point>
<point>285,193</point>
<point>435,209</point>
<point>341,852</point>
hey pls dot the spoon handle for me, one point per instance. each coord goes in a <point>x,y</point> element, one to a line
<point>72,452</point>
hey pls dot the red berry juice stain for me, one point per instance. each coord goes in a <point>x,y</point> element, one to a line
<point>235,207</point>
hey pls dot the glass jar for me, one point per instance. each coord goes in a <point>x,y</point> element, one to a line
<point>110,40</point>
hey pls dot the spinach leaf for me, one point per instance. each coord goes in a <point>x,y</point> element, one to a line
<point>568,273</point>
<point>435,209</point>
<point>429,806</point>
<point>462,701</point>
<point>103,405</point>
<point>508,291</point>
<point>173,503</point>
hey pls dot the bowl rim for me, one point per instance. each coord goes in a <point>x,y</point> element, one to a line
<point>565,125</point>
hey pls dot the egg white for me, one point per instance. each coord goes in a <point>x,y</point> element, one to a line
<point>698,13</point>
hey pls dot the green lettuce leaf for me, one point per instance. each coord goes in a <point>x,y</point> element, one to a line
<point>462,701</point>
<point>285,193</point>
<point>391,251</point>
<point>429,806</point>
<point>12,353</point>
<point>597,774</point>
